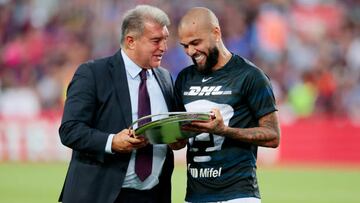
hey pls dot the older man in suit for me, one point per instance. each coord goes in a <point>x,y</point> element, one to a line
<point>109,163</point>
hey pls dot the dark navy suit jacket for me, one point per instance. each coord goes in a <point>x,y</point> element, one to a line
<point>97,104</point>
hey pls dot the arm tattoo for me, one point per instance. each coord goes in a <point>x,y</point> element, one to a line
<point>267,134</point>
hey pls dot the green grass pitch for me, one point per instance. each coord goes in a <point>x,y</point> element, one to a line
<point>41,183</point>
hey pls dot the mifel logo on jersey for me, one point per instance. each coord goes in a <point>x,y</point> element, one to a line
<point>204,172</point>
<point>206,91</point>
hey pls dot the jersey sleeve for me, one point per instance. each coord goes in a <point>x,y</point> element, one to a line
<point>260,96</point>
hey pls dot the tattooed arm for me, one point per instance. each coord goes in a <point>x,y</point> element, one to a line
<point>266,135</point>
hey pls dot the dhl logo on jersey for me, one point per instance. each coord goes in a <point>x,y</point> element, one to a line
<point>206,91</point>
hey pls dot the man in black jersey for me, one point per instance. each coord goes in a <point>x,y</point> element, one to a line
<point>221,159</point>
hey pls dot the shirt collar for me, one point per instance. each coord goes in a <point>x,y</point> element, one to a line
<point>131,67</point>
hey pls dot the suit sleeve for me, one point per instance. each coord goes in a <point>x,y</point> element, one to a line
<point>76,130</point>
<point>179,105</point>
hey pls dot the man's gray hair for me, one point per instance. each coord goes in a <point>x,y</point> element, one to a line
<point>135,19</point>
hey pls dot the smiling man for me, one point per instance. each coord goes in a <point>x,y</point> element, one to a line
<point>221,159</point>
<point>109,163</point>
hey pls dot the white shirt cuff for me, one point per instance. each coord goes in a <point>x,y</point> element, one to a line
<point>109,143</point>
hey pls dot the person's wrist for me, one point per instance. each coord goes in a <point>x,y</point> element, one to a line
<point>222,130</point>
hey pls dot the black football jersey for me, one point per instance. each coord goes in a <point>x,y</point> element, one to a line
<point>220,168</point>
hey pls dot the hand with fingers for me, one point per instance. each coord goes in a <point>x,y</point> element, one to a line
<point>215,125</point>
<point>125,141</point>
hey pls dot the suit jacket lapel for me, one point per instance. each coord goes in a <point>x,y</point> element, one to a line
<point>164,87</point>
<point>118,75</point>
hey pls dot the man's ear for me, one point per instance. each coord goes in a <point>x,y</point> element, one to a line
<point>217,33</point>
<point>130,42</point>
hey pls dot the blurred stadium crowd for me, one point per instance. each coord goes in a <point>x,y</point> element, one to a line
<point>309,48</point>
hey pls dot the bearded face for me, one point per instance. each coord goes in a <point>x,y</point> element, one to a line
<point>210,61</point>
